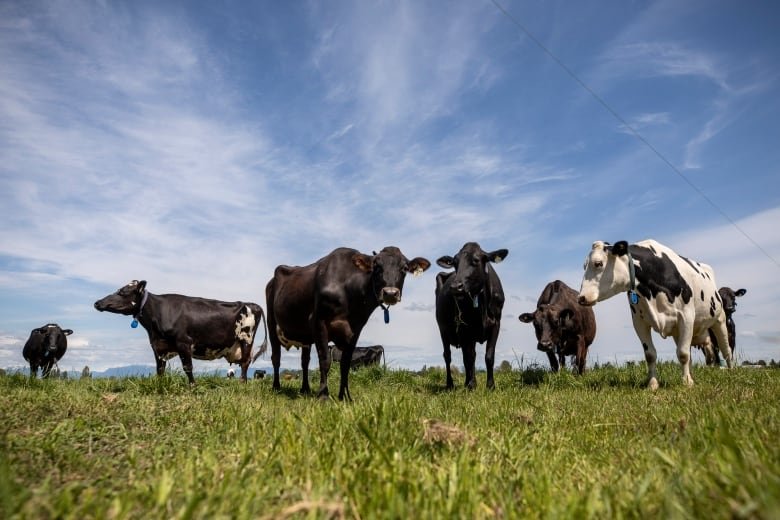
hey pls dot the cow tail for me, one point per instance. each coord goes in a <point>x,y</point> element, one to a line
<point>264,346</point>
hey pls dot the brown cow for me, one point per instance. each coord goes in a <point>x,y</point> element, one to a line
<point>331,301</point>
<point>563,327</point>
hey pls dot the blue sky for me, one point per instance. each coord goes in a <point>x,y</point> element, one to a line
<point>199,145</point>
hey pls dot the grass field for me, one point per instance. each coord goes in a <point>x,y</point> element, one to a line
<point>539,446</point>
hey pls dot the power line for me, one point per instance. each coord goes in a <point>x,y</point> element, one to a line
<point>630,128</point>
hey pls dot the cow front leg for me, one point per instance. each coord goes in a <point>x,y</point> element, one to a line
<point>321,341</point>
<point>33,370</point>
<point>582,355</point>
<point>46,369</point>
<point>490,355</point>
<point>160,361</point>
<point>447,361</point>
<point>345,364</point>
<point>553,361</point>
<point>721,331</point>
<point>469,360</point>
<point>305,358</point>
<point>683,341</point>
<point>651,356</point>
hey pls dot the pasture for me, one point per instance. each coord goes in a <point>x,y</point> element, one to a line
<point>540,446</point>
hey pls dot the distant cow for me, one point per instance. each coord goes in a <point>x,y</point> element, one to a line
<point>669,293</point>
<point>331,301</point>
<point>468,308</point>
<point>361,356</point>
<point>190,327</point>
<point>562,326</point>
<point>45,346</point>
<point>710,348</point>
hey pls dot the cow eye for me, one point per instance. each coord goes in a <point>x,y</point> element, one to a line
<point>598,264</point>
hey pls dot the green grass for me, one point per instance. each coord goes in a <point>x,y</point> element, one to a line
<point>539,446</point>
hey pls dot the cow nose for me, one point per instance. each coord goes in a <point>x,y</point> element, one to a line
<point>544,346</point>
<point>457,286</point>
<point>391,295</point>
<point>582,300</point>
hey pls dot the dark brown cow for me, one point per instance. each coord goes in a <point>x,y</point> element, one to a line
<point>361,356</point>
<point>563,327</point>
<point>710,348</point>
<point>331,301</point>
<point>45,346</point>
<point>189,327</point>
<point>468,308</point>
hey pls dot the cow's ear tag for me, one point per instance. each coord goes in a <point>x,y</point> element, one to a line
<point>134,324</point>
<point>387,314</point>
<point>634,297</point>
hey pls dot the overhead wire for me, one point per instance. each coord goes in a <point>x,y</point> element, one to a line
<point>630,128</point>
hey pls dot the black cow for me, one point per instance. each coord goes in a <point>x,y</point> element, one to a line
<point>468,307</point>
<point>45,346</point>
<point>361,356</point>
<point>711,350</point>
<point>331,301</point>
<point>562,326</point>
<point>190,327</point>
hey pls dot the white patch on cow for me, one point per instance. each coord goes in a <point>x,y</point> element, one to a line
<point>288,343</point>
<point>244,322</point>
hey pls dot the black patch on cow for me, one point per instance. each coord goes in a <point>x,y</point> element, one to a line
<point>644,346</point>
<point>712,306</point>
<point>656,274</point>
<point>695,268</point>
<point>717,295</point>
<point>633,310</point>
<point>702,295</point>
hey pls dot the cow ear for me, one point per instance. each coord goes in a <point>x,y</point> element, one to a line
<point>620,248</point>
<point>142,285</point>
<point>363,262</point>
<point>67,332</point>
<point>418,265</point>
<point>566,318</point>
<point>526,317</point>
<point>447,262</point>
<point>740,292</point>
<point>498,255</point>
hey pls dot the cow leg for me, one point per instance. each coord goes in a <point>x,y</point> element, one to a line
<point>720,331</point>
<point>642,330</point>
<point>582,354</point>
<point>305,358</point>
<point>160,365</point>
<point>46,369</point>
<point>273,337</point>
<point>447,361</point>
<point>490,355</point>
<point>185,355</point>
<point>33,370</point>
<point>246,358</point>
<point>469,360</point>
<point>554,361</point>
<point>683,341</point>
<point>732,332</point>
<point>346,363</point>
<point>321,341</point>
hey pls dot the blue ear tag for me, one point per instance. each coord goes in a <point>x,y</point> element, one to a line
<point>134,324</point>
<point>634,297</point>
<point>387,314</point>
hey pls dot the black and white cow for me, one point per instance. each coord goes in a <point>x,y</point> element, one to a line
<point>190,327</point>
<point>361,356</point>
<point>468,308</point>
<point>45,346</point>
<point>671,294</point>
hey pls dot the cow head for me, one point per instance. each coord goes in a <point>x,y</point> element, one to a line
<point>606,272</point>
<point>127,300</point>
<point>51,336</point>
<point>550,323</point>
<point>388,270</point>
<point>729,298</point>
<point>471,266</point>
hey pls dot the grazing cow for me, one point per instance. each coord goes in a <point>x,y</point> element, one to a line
<point>259,374</point>
<point>190,327</point>
<point>710,348</point>
<point>361,356</point>
<point>468,308</point>
<point>331,301</point>
<point>669,293</point>
<point>562,326</point>
<point>45,346</point>
<point>231,373</point>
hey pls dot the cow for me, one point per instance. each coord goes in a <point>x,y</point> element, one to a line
<point>45,346</point>
<point>469,301</point>
<point>710,348</point>
<point>190,327</point>
<point>563,327</point>
<point>671,294</point>
<point>331,300</point>
<point>361,356</point>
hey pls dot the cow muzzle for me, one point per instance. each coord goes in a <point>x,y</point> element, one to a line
<point>582,300</point>
<point>545,346</point>
<point>390,295</point>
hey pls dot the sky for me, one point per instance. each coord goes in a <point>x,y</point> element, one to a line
<point>198,145</point>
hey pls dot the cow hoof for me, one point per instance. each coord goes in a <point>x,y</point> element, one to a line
<point>688,381</point>
<point>653,384</point>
